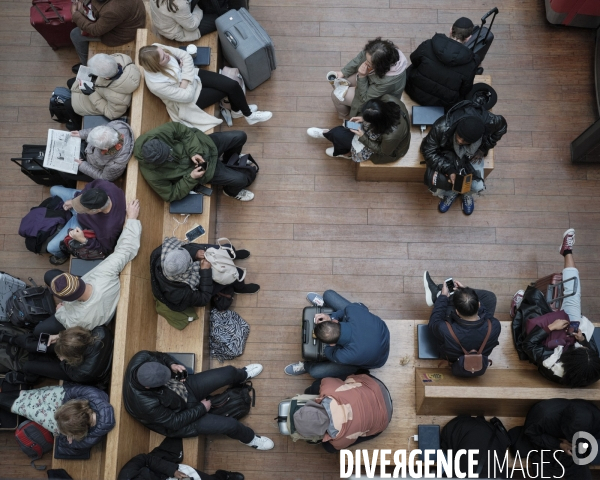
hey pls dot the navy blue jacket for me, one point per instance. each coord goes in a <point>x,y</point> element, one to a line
<point>470,333</point>
<point>105,419</point>
<point>364,339</point>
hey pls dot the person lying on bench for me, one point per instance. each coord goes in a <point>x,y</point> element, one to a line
<point>164,462</point>
<point>100,207</point>
<point>78,415</point>
<point>467,311</point>
<point>456,145</point>
<point>383,134</point>
<point>91,300</point>
<point>175,159</point>
<point>347,411</point>
<point>155,394</point>
<point>550,425</point>
<point>182,277</point>
<point>564,352</point>
<point>76,354</point>
<point>117,78</point>
<point>356,338</point>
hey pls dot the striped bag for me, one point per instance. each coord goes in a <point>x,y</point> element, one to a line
<point>228,334</point>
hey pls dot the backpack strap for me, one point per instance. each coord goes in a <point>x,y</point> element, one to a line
<point>487,337</point>
<point>456,338</point>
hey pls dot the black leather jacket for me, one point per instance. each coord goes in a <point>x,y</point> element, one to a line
<point>160,409</point>
<point>97,359</point>
<point>440,139</point>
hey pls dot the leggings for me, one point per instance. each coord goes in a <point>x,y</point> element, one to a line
<point>7,399</point>
<point>215,87</point>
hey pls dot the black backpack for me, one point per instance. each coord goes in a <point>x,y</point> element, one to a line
<point>61,110</point>
<point>11,356</point>
<point>234,402</point>
<point>29,306</point>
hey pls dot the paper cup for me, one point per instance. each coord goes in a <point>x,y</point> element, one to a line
<point>331,76</point>
<point>192,50</point>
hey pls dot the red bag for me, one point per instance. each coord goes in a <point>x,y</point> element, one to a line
<point>555,338</point>
<point>34,440</point>
<point>52,19</point>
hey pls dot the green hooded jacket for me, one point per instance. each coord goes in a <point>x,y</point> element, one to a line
<point>172,179</point>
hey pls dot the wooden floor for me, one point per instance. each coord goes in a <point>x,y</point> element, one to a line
<point>313,227</point>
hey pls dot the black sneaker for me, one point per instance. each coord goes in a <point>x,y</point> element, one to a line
<point>431,289</point>
<point>242,254</point>
<point>225,475</point>
<point>247,288</point>
<point>54,260</point>
<point>75,68</point>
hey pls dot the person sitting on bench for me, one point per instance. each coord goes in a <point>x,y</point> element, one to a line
<point>178,407</point>
<point>91,300</point>
<point>79,416</point>
<point>117,78</point>
<point>384,136</point>
<point>551,425</point>
<point>356,338</point>
<point>562,353</point>
<point>100,207</point>
<point>347,411</point>
<point>182,277</point>
<point>457,144</point>
<point>175,159</point>
<point>109,148</point>
<point>76,354</point>
<point>443,68</point>
<point>468,312</point>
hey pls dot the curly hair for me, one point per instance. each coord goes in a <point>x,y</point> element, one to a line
<point>383,53</point>
<point>582,367</point>
<point>381,116</point>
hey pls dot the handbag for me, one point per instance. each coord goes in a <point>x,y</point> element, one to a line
<point>70,246</point>
<point>224,270</point>
<point>244,164</point>
<point>472,363</point>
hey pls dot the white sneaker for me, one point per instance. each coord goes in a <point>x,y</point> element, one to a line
<point>329,152</point>
<point>243,196</point>
<point>261,443</point>
<point>316,132</point>
<point>239,114</point>
<point>257,117</point>
<point>253,370</point>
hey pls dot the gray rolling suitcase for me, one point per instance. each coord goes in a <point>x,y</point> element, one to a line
<point>312,348</point>
<point>246,46</point>
<point>8,286</point>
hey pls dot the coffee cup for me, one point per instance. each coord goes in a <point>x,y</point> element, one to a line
<point>331,76</point>
<point>192,50</point>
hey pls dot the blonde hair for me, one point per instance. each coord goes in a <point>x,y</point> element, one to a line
<point>72,343</point>
<point>74,418</point>
<point>150,60</point>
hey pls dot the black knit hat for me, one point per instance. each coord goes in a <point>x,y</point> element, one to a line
<point>156,151</point>
<point>470,128</point>
<point>463,22</point>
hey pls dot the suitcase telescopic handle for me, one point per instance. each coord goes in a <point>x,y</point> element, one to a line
<point>53,8</point>
<point>493,11</point>
<point>231,39</point>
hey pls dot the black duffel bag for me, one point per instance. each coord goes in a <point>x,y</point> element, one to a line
<point>234,402</point>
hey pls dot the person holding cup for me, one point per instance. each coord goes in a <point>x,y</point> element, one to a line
<point>378,70</point>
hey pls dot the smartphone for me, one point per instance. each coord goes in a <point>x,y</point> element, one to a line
<point>573,327</point>
<point>450,284</point>
<point>352,125</point>
<point>181,375</point>
<point>42,346</point>
<point>195,233</point>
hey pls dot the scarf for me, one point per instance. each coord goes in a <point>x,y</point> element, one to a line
<point>179,388</point>
<point>191,276</point>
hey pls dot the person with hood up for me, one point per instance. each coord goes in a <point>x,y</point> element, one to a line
<point>380,69</point>
<point>443,68</point>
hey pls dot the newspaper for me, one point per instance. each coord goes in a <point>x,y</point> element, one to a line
<point>84,77</point>
<point>61,151</point>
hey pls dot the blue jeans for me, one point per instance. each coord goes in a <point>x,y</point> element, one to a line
<point>65,194</point>
<point>329,369</point>
<point>572,305</point>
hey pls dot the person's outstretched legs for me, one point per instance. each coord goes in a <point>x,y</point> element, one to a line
<point>571,305</point>
<point>334,300</point>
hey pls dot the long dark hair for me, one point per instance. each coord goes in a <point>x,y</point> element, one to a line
<point>582,367</point>
<point>381,116</point>
<point>383,53</point>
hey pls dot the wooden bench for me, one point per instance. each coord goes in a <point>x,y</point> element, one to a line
<point>138,327</point>
<point>409,167</point>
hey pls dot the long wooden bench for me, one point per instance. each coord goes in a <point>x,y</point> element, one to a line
<point>138,326</point>
<point>409,167</point>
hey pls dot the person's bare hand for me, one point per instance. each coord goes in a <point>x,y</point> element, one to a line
<point>78,161</point>
<point>457,284</point>
<point>363,70</point>
<point>53,338</point>
<point>339,74</point>
<point>579,336</point>
<point>558,325</point>
<point>177,368</point>
<point>133,209</point>
<point>357,120</point>
<point>322,317</point>
<point>59,305</point>
<point>74,133</point>
<point>360,133</point>
<point>74,7</point>
<point>205,264</point>
<point>197,172</point>
<point>68,205</point>
<point>77,234</point>
<point>197,159</point>
<point>179,474</point>
<point>184,84</point>
<point>206,404</point>
<point>452,178</point>
<point>445,290</point>
<point>477,157</point>
<point>566,446</point>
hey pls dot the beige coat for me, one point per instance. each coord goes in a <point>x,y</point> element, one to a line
<point>111,98</point>
<point>181,102</point>
<point>181,25</point>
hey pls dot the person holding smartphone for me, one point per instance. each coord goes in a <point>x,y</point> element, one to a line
<point>562,348</point>
<point>380,134</point>
<point>468,311</point>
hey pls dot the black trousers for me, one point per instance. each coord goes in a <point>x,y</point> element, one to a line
<point>227,144</point>
<point>208,23</point>
<point>341,137</point>
<point>7,399</point>
<point>42,364</point>
<point>215,87</point>
<point>201,385</point>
